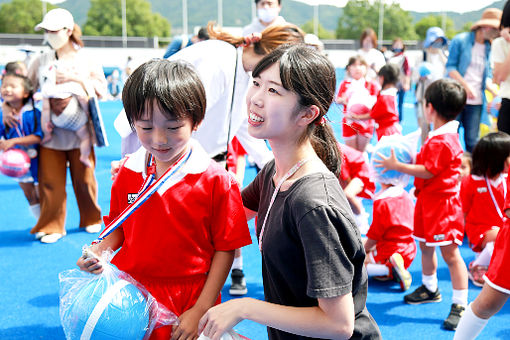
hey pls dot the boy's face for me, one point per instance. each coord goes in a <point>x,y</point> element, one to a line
<point>465,168</point>
<point>166,139</point>
<point>429,112</point>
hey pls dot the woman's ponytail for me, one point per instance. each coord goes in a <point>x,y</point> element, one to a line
<point>325,145</point>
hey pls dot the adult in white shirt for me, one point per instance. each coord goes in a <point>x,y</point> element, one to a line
<point>218,62</point>
<point>368,51</point>
<point>500,57</point>
<point>268,13</point>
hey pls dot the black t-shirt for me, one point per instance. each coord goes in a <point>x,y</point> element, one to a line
<point>311,247</point>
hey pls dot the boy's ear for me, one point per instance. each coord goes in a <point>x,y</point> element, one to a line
<point>308,115</point>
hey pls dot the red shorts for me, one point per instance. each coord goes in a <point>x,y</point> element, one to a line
<point>394,129</point>
<point>498,275</point>
<point>178,295</point>
<point>438,220</point>
<point>383,251</point>
<point>354,127</point>
<point>476,234</point>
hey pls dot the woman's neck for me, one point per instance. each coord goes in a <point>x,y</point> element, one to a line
<point>66,51</point>
<point>286,156</point>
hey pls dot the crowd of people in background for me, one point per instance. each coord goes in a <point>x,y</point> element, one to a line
<point>274,85</point>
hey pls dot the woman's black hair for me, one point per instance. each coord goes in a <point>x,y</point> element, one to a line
<point>505,17</point>
<point>311,76</point>
<point>490,154</point>
<point>172,85</point>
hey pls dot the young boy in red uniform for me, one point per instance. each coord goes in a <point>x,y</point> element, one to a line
<point>438,218</point>
<point>180,242</point>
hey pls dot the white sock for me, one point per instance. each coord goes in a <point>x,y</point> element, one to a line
<point>430,281</point>
<point>238,263</point>
<point>469,325</point>
<point>485,255</point>
<point>35,209</point>
<point>460,297</point>
<point>375,269</point>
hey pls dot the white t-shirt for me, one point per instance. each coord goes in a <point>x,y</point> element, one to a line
<point>474,73</point>
<point>256,25</point>
<point>500,50</point>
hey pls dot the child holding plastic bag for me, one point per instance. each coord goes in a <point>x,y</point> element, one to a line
<point>180,242</point>
<point>357,94</point>
<point>390,245</point>
<point>482,194</point>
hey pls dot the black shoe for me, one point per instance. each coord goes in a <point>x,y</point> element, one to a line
<point>238,286</point>
<point>422,295</point>
<point>453,318</point>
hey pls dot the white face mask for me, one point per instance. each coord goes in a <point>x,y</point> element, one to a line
<point>267,15</point>
<point>57,39</point>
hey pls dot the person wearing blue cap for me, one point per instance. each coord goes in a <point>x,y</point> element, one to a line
<point>468,63</point>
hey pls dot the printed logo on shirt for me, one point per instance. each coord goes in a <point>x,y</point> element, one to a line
<point>481,190</point>
<point>131,198</point>
<point>439,237</point>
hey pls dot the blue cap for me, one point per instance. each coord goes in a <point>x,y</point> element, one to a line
<point>433,33</point>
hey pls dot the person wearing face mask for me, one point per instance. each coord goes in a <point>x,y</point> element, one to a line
<point>72,66</point>
<point>399,59</point>
<point>368,51</point>
<point>268,13</point>
<point>468,63</point>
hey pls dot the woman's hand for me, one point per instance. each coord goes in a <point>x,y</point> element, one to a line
<point>222,318</point>
<point>9,115</point>
<point>188,325</point>
<point>68,75</point>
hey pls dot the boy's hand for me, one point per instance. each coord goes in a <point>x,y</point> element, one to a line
<point>188,325</point>
<point>89,263</point>
<point>388,163</point>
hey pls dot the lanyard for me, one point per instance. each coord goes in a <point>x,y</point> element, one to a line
<point>148,188</point>
<point>291,172</point>
<point>494,199</point>
<point>21,132</point>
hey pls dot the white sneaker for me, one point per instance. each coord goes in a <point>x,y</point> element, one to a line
<point>51,238</point>
<point>93,228</point>
<point>39,235</point>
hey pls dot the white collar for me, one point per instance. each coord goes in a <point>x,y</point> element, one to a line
<point>393,191</point>
<point>391,91</point>
<point>197,163</point>
<point>494,182</point>
<point>450,127</point>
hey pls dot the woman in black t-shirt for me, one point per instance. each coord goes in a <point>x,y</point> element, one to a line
<point>315,283</point>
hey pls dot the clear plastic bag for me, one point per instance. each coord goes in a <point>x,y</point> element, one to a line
<point>111,305</point>
<point>405,152</point>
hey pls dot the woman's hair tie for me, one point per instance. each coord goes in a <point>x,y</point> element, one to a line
<point>251,39</point>
<point>321,121</point>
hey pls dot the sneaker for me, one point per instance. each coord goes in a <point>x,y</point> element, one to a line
<point>51,238</point>
<point>93,228</point>
<point>422,295</point>
<point>238,286</point>
<point>476,273</point>
<point>39,235</point>
<point>453,318</point>
<point>400,273</point>
<point>382,278</point>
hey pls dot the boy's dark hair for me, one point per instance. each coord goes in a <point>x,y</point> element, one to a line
<point>490,154</point>
<point>279,2</point>
<point>27,84</point>
<point>447,97</point>
<point>203,34</point>
<point>311,76</point>
<point>173,85</point>
<point>390,74</point>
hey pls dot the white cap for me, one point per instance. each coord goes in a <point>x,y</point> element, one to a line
<point>56,19</point>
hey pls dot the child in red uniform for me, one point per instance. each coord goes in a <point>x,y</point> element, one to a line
<point>356,182</point>
<point>384,111</point>
<point>180,242</point>
<point>438,219</point>
<point>495,291</point>
<point>357,133</point>
<point>483,197</point>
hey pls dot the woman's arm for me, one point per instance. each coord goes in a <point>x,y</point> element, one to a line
<point>333,318</point>
<point>188,321</point>
<point>352,190</point>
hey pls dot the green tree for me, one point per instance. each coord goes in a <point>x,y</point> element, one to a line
<point>361,14</point>
<point>21,16</point>
<point>323,33</point>
<point>105,18</point>
<point>424,23</point>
